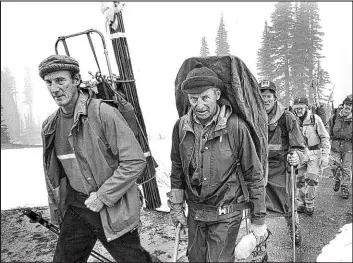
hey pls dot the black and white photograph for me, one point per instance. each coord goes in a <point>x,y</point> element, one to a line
<point>176,131</point>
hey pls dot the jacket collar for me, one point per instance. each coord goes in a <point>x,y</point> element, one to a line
<point>346,118</point>
<point>279,110</point>
<point>225,111</point>
<point>80,110</point>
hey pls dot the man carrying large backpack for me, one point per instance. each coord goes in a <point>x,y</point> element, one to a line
<point>91,184</point>
<point>286,148</point>
<point>215,168</point>
<point>318,149</point>
<point>340,130</point>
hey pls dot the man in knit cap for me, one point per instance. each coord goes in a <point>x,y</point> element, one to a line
<point>286,146</point>
<point>91,184</point>
<point>213,174</point>
<point>318,149</point>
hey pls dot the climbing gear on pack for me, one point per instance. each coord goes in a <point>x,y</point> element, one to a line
<point>310,211</point>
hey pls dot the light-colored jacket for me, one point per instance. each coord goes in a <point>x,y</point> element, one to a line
<point>315,133</point>
<point>112,168</point>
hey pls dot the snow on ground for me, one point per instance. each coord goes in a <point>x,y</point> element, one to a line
<point>22,175</point>
<point>22,178</point>
<point>340,248</point>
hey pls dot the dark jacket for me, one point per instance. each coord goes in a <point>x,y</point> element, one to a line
<point>111,168</point>
<point>220,185</point>
<point>340,130</point>
<point>284,135</point>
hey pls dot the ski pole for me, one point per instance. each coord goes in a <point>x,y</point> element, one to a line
<point>293,208</point>
<point>39,219</point>
<point>176,243</point>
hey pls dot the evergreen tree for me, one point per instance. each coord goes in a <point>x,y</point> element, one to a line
<point>282,24</point>
<point>222,46</point>
<point>5,138</point>
<point>9,103</point>
<point>300,64</point>
<point>204,51</point>
<point>265,64</point>
<point>32,132</point>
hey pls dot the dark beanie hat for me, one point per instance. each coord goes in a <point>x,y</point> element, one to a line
<point>56,63</point>
<point>200,79</point>
<point>348,100</point>
<point>300,101</point>
<point>266,84</point>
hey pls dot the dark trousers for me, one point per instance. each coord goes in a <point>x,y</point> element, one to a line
<point>79,232</point>
<point>212,241</point>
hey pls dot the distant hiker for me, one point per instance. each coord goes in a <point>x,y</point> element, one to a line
<point>284,137</point>
<point>340,129</point>
<point>318,149</point>
<point>212,173</point>
<point>91,185</point>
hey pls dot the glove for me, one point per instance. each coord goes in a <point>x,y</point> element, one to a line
<point>175,203</point>
<point>93,203</point>
<point>293,159</point>
<point>177,213</point>
<point>259,231</point>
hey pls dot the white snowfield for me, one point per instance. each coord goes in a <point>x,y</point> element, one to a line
<point>340,248</point>
<point>23,183</point>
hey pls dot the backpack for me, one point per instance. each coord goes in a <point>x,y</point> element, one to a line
<point>240,89</point>
<point>126,110</point>
<point>233,145</point>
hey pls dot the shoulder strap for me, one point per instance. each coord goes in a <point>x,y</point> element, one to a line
<point>94,119</point>
<point>233,136</point>
<point>181,125</point>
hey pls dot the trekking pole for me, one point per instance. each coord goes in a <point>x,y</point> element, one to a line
<point>33,216</point>
<point>293,208</point>
<point>176,243</point>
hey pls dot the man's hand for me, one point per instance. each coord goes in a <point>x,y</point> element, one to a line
<point>177,213</point>
<point>293,159</point>
<point>93,203</point>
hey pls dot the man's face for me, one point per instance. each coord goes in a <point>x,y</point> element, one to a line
<point>300,110</point>
<point>347,108</point>
<point>204,105</point>
<point>269,99</point>
<point>62,88</point>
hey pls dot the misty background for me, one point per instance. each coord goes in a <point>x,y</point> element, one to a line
<point>160,37</point>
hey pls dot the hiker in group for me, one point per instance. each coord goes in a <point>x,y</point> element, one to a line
<point>91,185</point>
<point>340,130</point>
<point>318,149</point>
<point>212,176</point>
<point>286,148</point>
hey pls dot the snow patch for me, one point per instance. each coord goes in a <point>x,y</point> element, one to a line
<point>340,248</point>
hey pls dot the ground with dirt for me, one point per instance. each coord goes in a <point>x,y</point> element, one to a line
<point>24,241</point>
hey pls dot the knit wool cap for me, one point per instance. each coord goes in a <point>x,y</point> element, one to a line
<point>348,100</point>
<point>299,102</point>
<point>56,63</point>
<point>200,79</point>
<point>266,84</point>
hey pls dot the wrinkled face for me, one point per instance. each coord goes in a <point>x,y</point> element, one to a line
<point>204,105</point>
<point>300,110</point>
<point>62,88</point>
<point>269,99</point>
<point>347,108</point>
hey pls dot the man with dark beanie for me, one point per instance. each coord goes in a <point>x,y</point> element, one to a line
<point>215,168</point>
<point>91,184</point>
<point>286,146</point>
<point>318,149</point>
